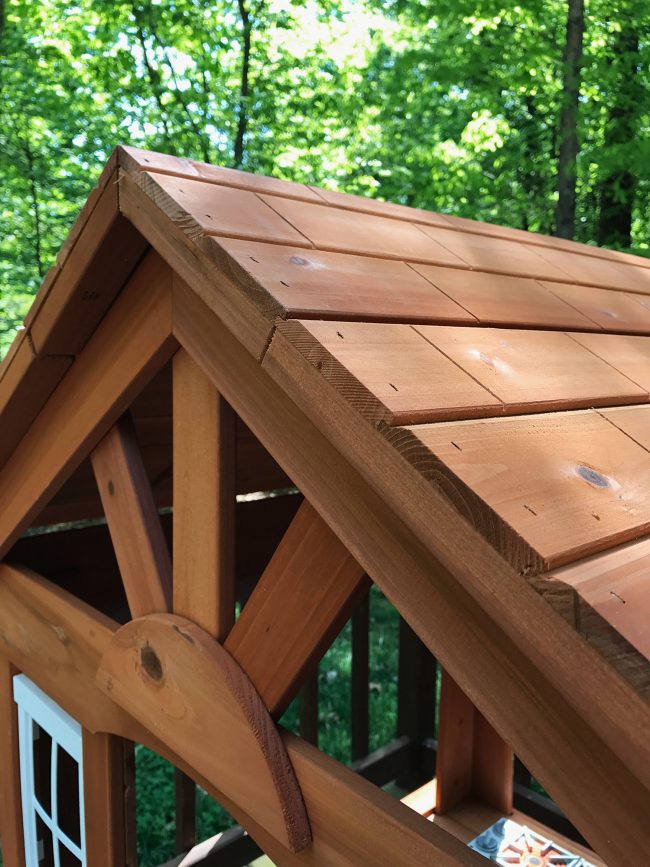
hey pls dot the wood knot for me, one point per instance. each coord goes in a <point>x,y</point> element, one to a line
<point>298,260</point>
<point>593,477</point>
<point>111,489</point>
<point>151,664</point>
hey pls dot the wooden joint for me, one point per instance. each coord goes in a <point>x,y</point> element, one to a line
<point>185,688</point>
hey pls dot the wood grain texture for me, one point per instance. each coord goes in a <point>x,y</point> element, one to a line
<point>498,299</point>
<point>133,521</point>
<point>545,489</point>
<point>317,284</point>
<point>136,160</point>
<point>472,759</point>
<point>96,268</point>
<point>110,823</point>
<point>390,373</point>
<point>610,310</point>
<point>630,354</point>
<point>217,210</point>
<point>204,501</point>
<point>531,370</point>
<point>615,584</point>
<point>182,685</point>
<point>133,341</point>
<point>301,602</point>
<point>593,271</point>
<point>28,382</point>
<point>57,641</point>
<point>494,254</point>
<point>349,202</point>
<point>360,233</point>
<point>463,596</point>
<point>11,815</point>
<point>371,822</point>
<point>194,257</point>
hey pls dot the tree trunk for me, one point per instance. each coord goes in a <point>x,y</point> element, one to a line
<point>244,91</point>
<point>617,187</point>
<point>565,217</point>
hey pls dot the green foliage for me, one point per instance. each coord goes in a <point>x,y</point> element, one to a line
<point>453,107</point>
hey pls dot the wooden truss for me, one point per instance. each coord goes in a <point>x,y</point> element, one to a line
<point>183,676</point>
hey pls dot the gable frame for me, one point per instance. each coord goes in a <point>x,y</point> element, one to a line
<point>547,678</point>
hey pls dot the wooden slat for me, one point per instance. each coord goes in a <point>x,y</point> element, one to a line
<point>330,228</point>
<point>475,602</point>
<point>11,816</point>
<point>28,382</point>
<point>611,310</point>
<point>599,272</point>
<point>316,284</point>
<point>222,210</point>
<point>349,202</point>
<point>615,584</point>
<point>630,354</point>
<point>497,299</point>
<point>204,501</point>
<point>135,160</point>
<point>133,521</point>
<point>109,821</point>
<point>360,680</point>
<point>100,261</point>
<point>175,679</point>
<point>494,254</point>
<point>530,370</point>
<point>632,420</point>
<point>545,490</point>
<point>185,797</point>
<point>301,602</point>
<point>193,256</point>
<point>390,373</point>
<point>132,342</point>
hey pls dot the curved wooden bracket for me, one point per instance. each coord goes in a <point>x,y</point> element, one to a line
<point>186,689</point>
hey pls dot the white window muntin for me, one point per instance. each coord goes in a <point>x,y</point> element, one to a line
<point>34,706</point>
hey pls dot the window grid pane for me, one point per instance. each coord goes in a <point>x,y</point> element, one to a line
<point>37,709</point>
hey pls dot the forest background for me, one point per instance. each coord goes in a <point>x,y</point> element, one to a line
<point>534,115</point>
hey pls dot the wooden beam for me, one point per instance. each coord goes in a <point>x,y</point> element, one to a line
<point>303,599</point>
<point>132,342</point>
<point>472,760</point>
<point>133,521</point>
<point>59,643</point>
<point>460,592</point>
<point>204,500</point>
<point>177,680</point>
<point>108,807</point>
<point>11,815</point>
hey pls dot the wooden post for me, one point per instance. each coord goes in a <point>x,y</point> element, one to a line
<point>360,679</point>
<point>309,710</point>
<point>108,803</point>
<point>416,704</point>
<point>472,758</point>
<point>204,500</point>
<point>11,815</point>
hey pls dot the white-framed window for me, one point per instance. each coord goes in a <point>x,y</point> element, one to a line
<point>51,779</point>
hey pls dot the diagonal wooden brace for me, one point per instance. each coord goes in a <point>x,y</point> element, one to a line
<point>188,691</point>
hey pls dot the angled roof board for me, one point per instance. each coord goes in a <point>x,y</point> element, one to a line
<point>493,378</point>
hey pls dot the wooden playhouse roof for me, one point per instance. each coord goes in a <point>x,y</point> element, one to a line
<point>490,386</point>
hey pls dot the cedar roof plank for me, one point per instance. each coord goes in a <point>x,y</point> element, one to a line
<point>611,310</point>
<point>544,489</point>
<point>531,370</point>
<point>496,299</point>
<point>340,230</point>
<point>318,284</point>
<point>629,354</point>
<point>616,585</point>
